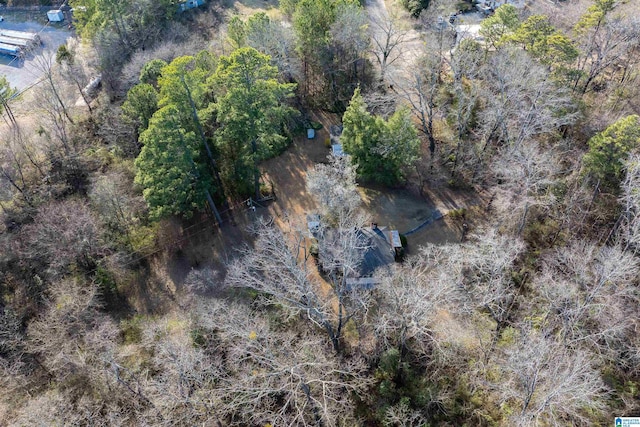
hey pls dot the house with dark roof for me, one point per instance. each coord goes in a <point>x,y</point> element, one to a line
<point>379,251</point>
<point>382,247</point>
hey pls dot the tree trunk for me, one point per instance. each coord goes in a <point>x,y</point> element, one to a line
<point>55,93</point>
<point>196,120</point>
<point>84,98</point>
<point>213,207</point>
<point>210,201</point>
<point>5,106</point>
<point>523,222</point>
<point>335,340</point>
<point>256,170</point>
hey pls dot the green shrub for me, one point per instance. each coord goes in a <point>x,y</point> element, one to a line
<point>415,7</point>
<point>459,213</point>
<point>389,363</point>
<point>458,183</point>
<point>543,233</point>
<point>105,281</point>
<point>198,338</point>
<point>464,5</point>
<point>131,330</point>
<point>143,239</point>
<point>152,71</point>
<point>313,249</point>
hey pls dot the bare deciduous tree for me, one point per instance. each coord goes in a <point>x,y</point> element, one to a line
<point>523,174</point>
<point>456,278</point>
<point>388,39</point>
<point>522,101</point>
<point>63,233</point>
<point>350,36</point>
<point>629,222</point>
<point>488,263</point>
<point>606,42</point>
<point>277,376</point>
<point>71,337</point>
<point>14,365</point>
<point>401,415</point>
<point>276,40</point>
<point>13,170</point>
<point>279,263</point>
<point>277,266</point>
<point>55,407</point>
<point>420,91</point>
<point>543,382</point>
<point>334,186</point>
<point>411,297</point>
<point>465,64</point>
<point>45,66</point>
<point>588,293</point>
<point>119,208</point>
<point>182,390</point>
<point>341,244</point>
<point>74,68</point>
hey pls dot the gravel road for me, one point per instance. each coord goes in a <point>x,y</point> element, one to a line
<point>405,54</point>
<point>22,74</point>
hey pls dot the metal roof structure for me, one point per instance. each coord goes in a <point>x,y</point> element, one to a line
<point>24,35</point>
<point>378,253</point>
<point>8,49</point>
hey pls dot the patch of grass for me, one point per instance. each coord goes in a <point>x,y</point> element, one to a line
<point>144,239</point>
<point>198,338</point>
<point>131,330</point>
<point>13,16</point>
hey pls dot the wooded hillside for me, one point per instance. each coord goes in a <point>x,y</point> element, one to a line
<point>324,212</point>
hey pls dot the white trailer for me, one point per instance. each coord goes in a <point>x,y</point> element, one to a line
<point>33,37</point>
<point>10,50</point>
<point>15,42</point>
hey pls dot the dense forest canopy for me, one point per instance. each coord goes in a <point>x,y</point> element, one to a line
<point>324,212</point>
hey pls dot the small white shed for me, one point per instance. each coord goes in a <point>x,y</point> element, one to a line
<point>55,16</point>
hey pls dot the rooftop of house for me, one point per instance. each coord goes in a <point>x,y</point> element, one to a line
<point>379,252</point>
<point>380,244</point>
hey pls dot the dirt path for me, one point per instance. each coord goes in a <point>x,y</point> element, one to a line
<point>249,7</point>
<point>376,9</point>
<point>410,42</point>
<point>288,171</point>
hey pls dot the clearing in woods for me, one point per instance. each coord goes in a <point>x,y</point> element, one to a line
<point>398,208</point>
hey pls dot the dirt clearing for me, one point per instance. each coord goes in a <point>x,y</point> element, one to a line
<point>397,208</point>
<point>249,7</point>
